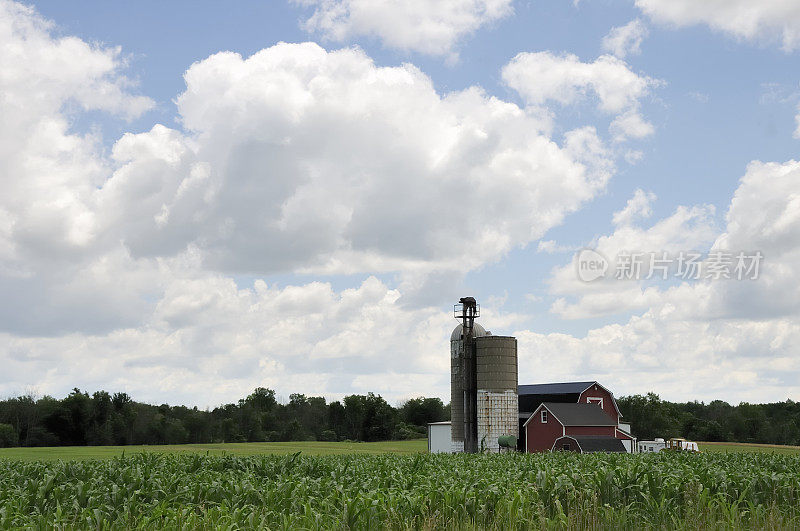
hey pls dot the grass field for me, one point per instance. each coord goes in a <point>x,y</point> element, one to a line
<point>747,447</point>
<point>306,447</point>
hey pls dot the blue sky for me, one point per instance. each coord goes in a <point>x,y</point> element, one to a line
<point>714,95</point>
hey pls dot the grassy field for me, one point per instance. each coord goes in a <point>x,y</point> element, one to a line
<point>306,447</point>
<point>747,447</point>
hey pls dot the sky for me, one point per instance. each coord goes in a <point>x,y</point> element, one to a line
<point>201,198</point>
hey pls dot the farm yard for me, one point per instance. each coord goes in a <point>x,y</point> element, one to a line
<point>358,491</point>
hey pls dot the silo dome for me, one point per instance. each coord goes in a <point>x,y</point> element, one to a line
<point>477,331</point>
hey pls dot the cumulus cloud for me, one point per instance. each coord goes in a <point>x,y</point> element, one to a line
<point>766,20</point>
<point>542,77</point>
<point>679,358</point>
<point>687,229</point>
<point>433,27</point>
<point>303,159</point>
<point>117,271</point>
<point>640,205</point>
<point>208,341</point>
<point>626,40</point>
<point>50,175</point>
<point>631,124</point>
<point>708,339</point>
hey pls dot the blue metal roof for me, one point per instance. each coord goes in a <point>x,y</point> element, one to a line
<point>554,388</point>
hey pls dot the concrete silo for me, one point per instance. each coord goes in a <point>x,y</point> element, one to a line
<point>497,401</point>
<point>483,393</point>
<point>457,384</point>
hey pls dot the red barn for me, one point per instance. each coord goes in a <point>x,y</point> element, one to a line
<point>531,398</point>
<point>584,427</point>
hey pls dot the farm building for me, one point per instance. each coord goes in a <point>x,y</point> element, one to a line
<point>583,427</point>
<point>439,437</point>
<point>531,397</point>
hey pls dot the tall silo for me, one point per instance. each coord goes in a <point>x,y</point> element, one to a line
<point>497,400</point>
<point>456,383</point>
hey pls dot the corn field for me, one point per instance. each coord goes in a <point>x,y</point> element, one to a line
<point>510,491</point>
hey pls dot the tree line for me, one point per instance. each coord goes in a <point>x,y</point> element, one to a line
<point>105,419</point>
<point>650,417</point>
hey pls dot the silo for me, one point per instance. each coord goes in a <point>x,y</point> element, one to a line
<point>497,401</point>
<point>456,385</point>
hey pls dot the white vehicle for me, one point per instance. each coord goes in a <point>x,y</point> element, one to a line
<point>651,446</point>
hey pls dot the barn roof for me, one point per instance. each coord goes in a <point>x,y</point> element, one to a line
<point>599,444</point>
<point>563,388</point>
<point>578,414</point>
<point>549,392</point>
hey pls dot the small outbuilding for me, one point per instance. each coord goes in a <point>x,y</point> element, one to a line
<point>439,437</point>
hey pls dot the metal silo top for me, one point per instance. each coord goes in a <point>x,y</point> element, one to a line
<point>477,331</point>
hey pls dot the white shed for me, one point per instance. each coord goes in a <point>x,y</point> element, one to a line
<point>439,437</point>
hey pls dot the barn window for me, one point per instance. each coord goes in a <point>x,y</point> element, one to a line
<point>544,416</point>
<point>565,447</point>
<point>595,400</point>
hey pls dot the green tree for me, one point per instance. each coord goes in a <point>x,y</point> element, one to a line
<point>8,436</point>
<point>421,411</point>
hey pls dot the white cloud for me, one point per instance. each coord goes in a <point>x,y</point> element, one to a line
<point>49,174</point>
<point>432,27</point>
<point>630,125</point>
<point>208,342</point>
<point>43,72</point>
<point>707,340</point>
<point>680,359</point>
<point>117,272</point>
<point>302,159</point>
<point>638,206</point>
<point>626,40</point>
<point>687,229</point>
<point>49,265</point>
<point>765,20</point>
<point>551,247</point>
<point>543,77</point>
<point>796,133</point>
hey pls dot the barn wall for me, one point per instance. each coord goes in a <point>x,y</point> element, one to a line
<point>605,431</point>
<point>620,435</point>
<point>596,391</point>
<point>540,436</point>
